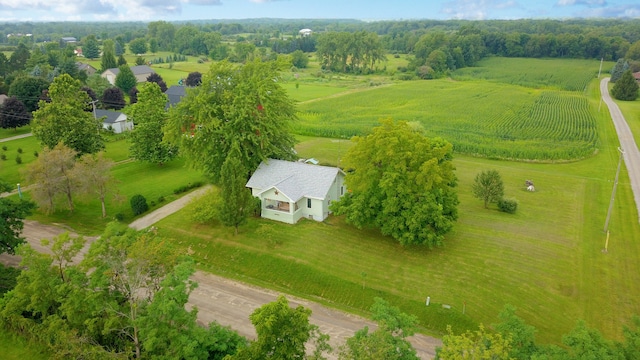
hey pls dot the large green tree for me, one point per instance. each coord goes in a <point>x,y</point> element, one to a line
<point>125,80</point>
<point>283,333</point>
<point>243,105</point>
<point>28,90</point>
<point>65,120</point>
<point>108,60</point>
<point>236,199</point>
<point>388,341</point>
<point>488,187</point>
<point>91,48</point>
<point>626,88</point>
<point>401,182</point>
<point>138,46</point>
<point>12,215</point>
<point>479,344</point>
<point>149,115</point>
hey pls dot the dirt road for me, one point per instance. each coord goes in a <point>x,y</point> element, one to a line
<point>627,143</point>
<point>231,302</point>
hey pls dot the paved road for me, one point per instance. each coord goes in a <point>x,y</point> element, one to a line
<point>231,302</point>
<point>627,143</point>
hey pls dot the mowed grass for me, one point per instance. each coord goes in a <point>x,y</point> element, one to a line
<point>557,74</point>
<point>7,133</point>
<point>17,348</point>
<point>480,118</point>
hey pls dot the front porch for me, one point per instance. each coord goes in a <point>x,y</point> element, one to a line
<point>279,210</point>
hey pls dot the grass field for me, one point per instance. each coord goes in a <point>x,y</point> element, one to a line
<point>16,348</point>
<point>6,133</point>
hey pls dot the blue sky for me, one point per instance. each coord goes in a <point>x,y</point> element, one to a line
<point>170,10</point>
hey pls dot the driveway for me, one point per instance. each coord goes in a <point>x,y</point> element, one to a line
<point>627,143</point>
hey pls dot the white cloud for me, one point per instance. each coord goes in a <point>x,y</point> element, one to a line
<point>475,10</point>
<point>582,2</point>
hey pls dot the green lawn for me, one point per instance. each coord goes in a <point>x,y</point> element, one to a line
<point>5,133</point>
<point>546,259</point>
<point>17,348</point>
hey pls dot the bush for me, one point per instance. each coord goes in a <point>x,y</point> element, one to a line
<point>35,153</point>
<point>189,186</point>
<point>160,199</point>
<point>18,160</point>
<point>3,156</point>
<point>138,204</point>
<point>508,205</point>
<point>4,147</point>
<point>119,217</point>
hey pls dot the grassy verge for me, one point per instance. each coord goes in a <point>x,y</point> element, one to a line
<point>17,348</point>
<point>5,133</point>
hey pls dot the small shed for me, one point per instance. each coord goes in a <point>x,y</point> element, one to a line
<point>114,120</point>
<point>141,73</point>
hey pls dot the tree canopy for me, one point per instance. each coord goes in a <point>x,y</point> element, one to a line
<point>13,114</point>
<point>12,215</point>
<point>235,197</point>
<point>108,60</point>
<point>626,88</point>
<point>91,49</point>
<point>488,187</point>
<point>401,182</point>
<point>65,120</point>
<point>125,80</point>
<point>28,90</point>
<point>149,115</point>
<point>243,105</point>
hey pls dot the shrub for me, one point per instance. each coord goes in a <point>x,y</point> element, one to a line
<point>160,199</point>
<point>19,150</point>
<point>508,205</point>
<point>35,153</point>
<point>3,156</point>
<point>18,160</point>
<point>119,217</point>
<point>185,188</point>
<point>4,147</point>
<point>138,204</point>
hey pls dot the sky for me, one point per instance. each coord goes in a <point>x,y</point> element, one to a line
<point>176,10</point>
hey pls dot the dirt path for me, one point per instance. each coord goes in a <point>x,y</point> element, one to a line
<point>627,142</point>
<point>16,137</point>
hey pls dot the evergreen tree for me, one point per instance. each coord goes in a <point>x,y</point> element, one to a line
<point>235,197</point>
<point>121,60</point>
<point>108,60</point>
<point>91,49</point>
<point>621,66</point>
<point>125,79</point>
<point>626,88</point>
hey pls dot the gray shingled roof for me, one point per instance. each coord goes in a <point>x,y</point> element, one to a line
<point>137,70</point>
<point>174,94</point>
<point>112,116</point>
<point>294,179</point>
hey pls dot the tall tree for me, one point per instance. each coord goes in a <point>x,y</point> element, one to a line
<point>282,333</point>
<point>108,60</point>
<point>626,88</point>
<point>125,79</point>
<point>236,199</point>
<point>93,172</point>
<point>522,335</point>
<point>138,46</point>
<point>389,341</point>
<point>13,114</point>
<point>28,89</point>
<point>52,176</point>
<point>12,215</point>
<point>121,60</point>
<point>64,119</point>
<point>91,48</point>
<point>98,84</point>
<point>488,187</point>
<point>401,182</point>
<point>618,69</point>
<point>19,58</point>
<point>149,115</point>
<point>245,105</point>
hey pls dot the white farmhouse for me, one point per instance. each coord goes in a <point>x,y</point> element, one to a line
<point>290,190</point>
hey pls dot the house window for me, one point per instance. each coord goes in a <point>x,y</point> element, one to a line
<point>309,203</point>
<point>341,190</point>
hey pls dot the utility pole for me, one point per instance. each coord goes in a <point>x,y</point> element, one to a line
<point>600,71</point>
<point>613,195</point>
<point>95,116</point>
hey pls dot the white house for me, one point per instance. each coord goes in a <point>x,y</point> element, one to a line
<point>293,190</point>
<point>114,120</point>
<point>141,72</point>
<point>305,32</point>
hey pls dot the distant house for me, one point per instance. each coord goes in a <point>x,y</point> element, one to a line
<point>305,32</point>
<point>140,71</point>
<point>174,94</point>
<point>90,70</point>
<point>78,52</point>
<point>3,98</point>
<point>67,40</point>
<point>636,75</point>
<point>290,190</point>
<point>114,120</point>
